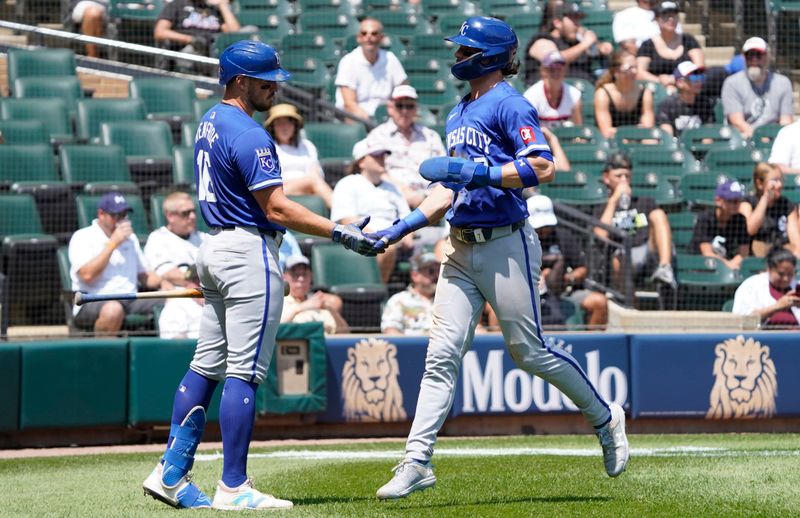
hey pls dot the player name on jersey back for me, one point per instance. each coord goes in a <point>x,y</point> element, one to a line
<point>207,131</point>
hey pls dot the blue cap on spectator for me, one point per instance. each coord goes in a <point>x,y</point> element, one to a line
<point>730,190</point>
<point>114,203</point>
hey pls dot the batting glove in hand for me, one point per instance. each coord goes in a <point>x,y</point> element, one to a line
<point>457,172</point>
<point>389,235</point>
<point>353,238</point>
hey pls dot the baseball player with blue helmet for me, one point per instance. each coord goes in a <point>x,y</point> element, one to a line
<point>495,149</point>
<point>239,188</point>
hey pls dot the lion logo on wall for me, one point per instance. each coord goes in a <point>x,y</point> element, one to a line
<point>370,390</point>
<point>746,381</point>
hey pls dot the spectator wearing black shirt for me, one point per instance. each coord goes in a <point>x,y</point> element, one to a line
<point>721,232</point>
<point>772,220</point>
<point>658,56</point>
<point>685,109</point>
<point>190,25</point>
<point>576,43</point>
<point>642,219</point>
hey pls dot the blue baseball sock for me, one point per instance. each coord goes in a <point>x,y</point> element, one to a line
<point>237,413</point>
<point>193,390</point>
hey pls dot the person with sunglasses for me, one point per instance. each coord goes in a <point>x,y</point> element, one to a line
<point>409,142</point>
<point>172,249</point>
<point>106,257</point>
<point>658,56</point>
<point>367,75</point>
<point>619,100</point>
<point>687,108</point>
<point>756,96</point>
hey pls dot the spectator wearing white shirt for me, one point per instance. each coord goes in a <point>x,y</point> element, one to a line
<point>180,317</point>
<point>409,142</point>
<point>786,149</point>
<point>300,167</point>
<point>106,257</point>
<point>772,295</point>
<point>556,102</point>
<point>367,75</point>
<point>635,25</point>
<point>410,312</point>
<point>366,192</point>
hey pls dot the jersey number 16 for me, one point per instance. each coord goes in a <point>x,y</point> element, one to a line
<point>205,191</point>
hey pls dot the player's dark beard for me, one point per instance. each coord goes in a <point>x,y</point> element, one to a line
<point>256,96</point>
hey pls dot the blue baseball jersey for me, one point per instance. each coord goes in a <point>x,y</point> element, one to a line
<point>498,127</point>
<point>233,156</point>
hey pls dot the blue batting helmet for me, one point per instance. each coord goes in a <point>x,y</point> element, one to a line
<point>251,59</point>
<point>495,39</point>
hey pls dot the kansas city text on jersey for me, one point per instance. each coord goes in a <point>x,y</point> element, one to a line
<point>469,136</point>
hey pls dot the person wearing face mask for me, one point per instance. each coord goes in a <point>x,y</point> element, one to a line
<point>686,109</point>
<point>756,96</point>
<point>366,192</point>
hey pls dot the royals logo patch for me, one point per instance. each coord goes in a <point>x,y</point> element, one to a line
<point>527,135</point>
<point>265,159</point>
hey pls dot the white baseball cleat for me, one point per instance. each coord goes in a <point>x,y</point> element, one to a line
<point>246,497</point>
<point>614,442</point>
<point>409,476</point>
<point>183,495</point>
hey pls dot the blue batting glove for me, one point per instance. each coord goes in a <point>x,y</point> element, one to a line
<point>458,172</point>
<point>415,220</point>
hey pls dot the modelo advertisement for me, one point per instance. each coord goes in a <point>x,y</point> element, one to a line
<point>376,379</point>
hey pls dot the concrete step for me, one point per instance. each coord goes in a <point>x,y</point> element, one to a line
<point>718,56</point>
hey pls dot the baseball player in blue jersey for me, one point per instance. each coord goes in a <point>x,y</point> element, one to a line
<point>241,198</point>
<point>496,149</point>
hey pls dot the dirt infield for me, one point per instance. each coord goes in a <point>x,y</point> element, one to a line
<point>144,448</point>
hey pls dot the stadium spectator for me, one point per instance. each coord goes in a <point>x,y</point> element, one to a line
<point>619,100</point>
<point>576,43</point>
<point>367,75</point>
<point>563,268</point>
<point>105,257</point>
<point>786,149</point>
<point>409,142</point>
<point>686,109</point>
<point>300,307</point>
<point>90,17</point>
<point>365,192</point>
<point>635,25</point>
<point>300,167</point>
<point>410,312</point>
<point>771,217</point>
<point>180,317</point>
<point>557,102</point>
<point>772,295</point>
<point>756,96</point>
<point>721,232</point>
<point>190,26</point>
<point>658,57</point>
<point>171,251</point>
<point>642,219</point>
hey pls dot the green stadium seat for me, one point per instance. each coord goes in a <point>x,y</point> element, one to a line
<point>663,189</point>
<point>188,131</point>
<point>700,140</point>
<point>579,135</point>
<point>752,265</point>
<point>282,8</point>
<point>39,62</point>
<point>165,97</point>
<point>67,88</point>
<point>334,140</point>
<point>699,188</point>
<point>438,8</point>
<point>142,10</point>
<point>201,106</point>
<point>426,65</point>
<point>96,169</point>
<point>23,132</point>
<point>672,162</point>
<point>587,98</point>
<point>402,24</point>
<point>433,45</point>
<point>735,162</point>
<point>791,188</point>
<point>510,10</point>
<point>329,7</point>
<point>764,136</point>
<point>577,188</point>
<point>27,163</point>
<point>52,113</point>
<point>183,168</point>
<point>439,95</point>
<point>586,158</point>
<point>93,112</point>
<point>223,40</point>
<point>599,21</point>
<point>682,225</point>
<point>307,72</point>
<point>356,280</point>
<point>628,137</point>
<point>450,24</point>
<point>704,283</point>
<point>87,211</point>
<point>375,7</point>
<point>316,45</point>
<point>28,260</point>
<point>658,90</point>
<point>334,26</point>
<point>158,219</point>
<point>313,203</point>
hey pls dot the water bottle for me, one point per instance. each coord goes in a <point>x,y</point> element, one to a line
<point>624,201</point>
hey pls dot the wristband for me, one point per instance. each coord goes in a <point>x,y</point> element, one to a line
<point>526,173</point>
<point>415,220</point>
<point>483,175</point>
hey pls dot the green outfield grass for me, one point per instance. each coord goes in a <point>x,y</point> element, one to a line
<point>670,475</point>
